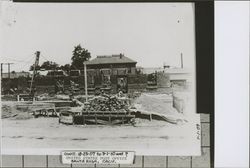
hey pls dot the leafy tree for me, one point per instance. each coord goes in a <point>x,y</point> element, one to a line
<point>49,65</point>
<point>80,55</point>
<point>65,67</point>
<point>32,67</point>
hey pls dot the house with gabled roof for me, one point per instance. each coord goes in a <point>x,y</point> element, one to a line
<point>111,61</point>
<point>111,69</point>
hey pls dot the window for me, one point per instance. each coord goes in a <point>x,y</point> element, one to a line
<point>129,70</point>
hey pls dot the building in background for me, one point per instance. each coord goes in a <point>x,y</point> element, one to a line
<point>116,64</point>
<point>111,71</point>
<point>178,76</point>
<point>13,75</point>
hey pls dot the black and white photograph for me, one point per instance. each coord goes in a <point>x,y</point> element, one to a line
<point>99,76</point>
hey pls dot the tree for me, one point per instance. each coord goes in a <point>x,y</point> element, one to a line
<point>65,67</point>
<point>37,67</point>
<point>49,65</point>
<point>80,55</point>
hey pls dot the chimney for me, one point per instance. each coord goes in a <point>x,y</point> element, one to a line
<point>121,55</point>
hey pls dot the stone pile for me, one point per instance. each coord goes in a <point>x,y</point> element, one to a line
<point>105,103</point>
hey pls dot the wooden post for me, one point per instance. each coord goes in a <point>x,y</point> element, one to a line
<point>55,113</point>
<point>83,119</point>
<point>150,117</point>
<point>34,70</point>
<point>110,118</point>
<point>181,61</point>
<point>1,77</point>
<point>95,119</point>
<point>85,82</point>
<point>73,118</point>
<point>9,71</point>
<point>1,70</point>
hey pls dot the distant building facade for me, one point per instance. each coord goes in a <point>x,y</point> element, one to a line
<point>115,64</point>
<point>14,75</point>
<point>111,71</point>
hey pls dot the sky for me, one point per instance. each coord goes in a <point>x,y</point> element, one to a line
<point>150,33</point>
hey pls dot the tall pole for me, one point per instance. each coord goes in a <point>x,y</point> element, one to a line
<point>1,70</point>
<point>181,61</point>
<point>34,69</point>
<point>85,82</point>
<point>9,71</point>
<point>1,77</point>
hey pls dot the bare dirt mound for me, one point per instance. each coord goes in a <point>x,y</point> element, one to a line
<point>9,111</point>
<point>157,103</point>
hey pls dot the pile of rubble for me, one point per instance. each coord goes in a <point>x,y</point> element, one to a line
<point>106,103</point>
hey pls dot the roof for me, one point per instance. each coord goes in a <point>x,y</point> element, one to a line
<point>112,59</point>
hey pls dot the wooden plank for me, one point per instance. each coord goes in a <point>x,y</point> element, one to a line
<point>103,122</point>
<point>98,121</point>
<point>112,116</point>
<point>116,122</point>
<point>105,112</point>
<point>169,120</point>
<point>34,107</point>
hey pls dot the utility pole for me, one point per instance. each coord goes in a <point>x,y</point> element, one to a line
<point>8,71</point>
<point>8,68</point>
<point>34,70</point>
<point>85,81</point>
<point>1,70</point>
<point>1,78</point>
<point>181,60</point>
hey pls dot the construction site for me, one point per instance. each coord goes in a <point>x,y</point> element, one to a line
<point>110,95</point>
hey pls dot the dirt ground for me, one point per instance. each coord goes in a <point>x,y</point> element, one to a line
<point>9,110</point>
<point>23,134</point>
<point>43,133</point>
